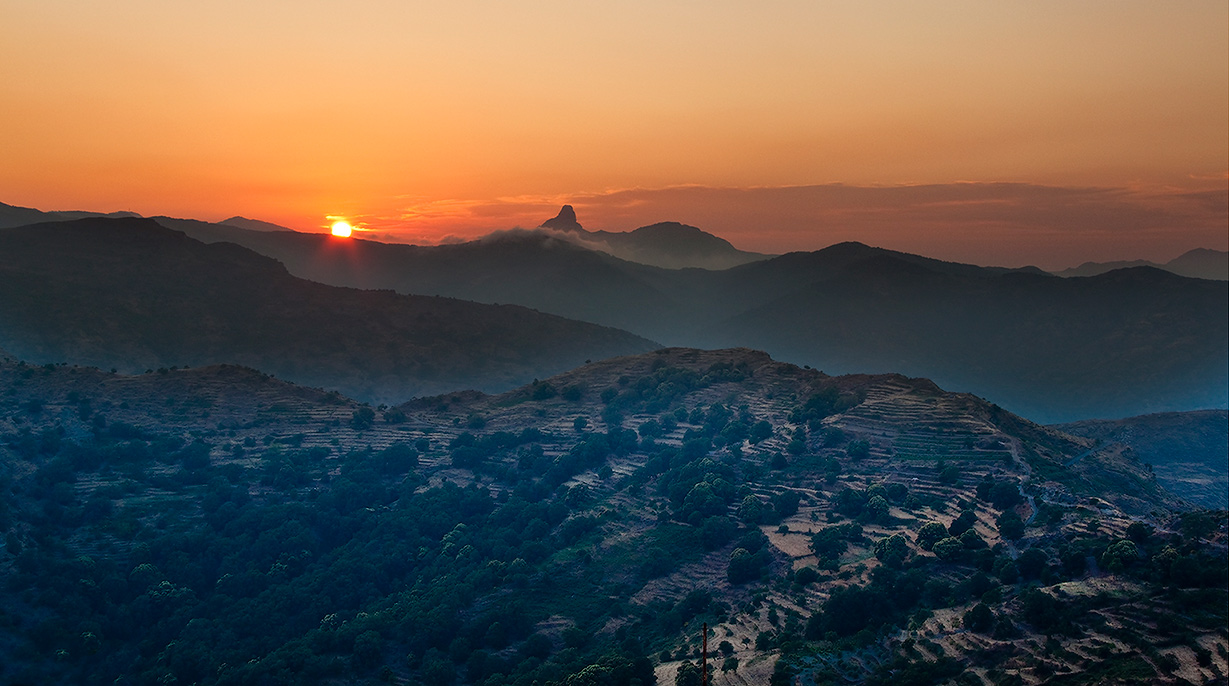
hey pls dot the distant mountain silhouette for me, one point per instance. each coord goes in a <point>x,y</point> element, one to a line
<point>564,221</point>
<point>11,215</point>
<point>131,294</point>
<point>253,224</point>
<point>669,245</point>
<point>1200,263</point>
<point>1128,341</point>
<point>1123,343</point>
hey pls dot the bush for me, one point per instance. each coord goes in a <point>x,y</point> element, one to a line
<point>806,576</point>
<point>858,449</point>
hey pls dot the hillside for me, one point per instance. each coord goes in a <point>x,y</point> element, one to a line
<point>1188,451</point>
<point>130,294</point>
<point>219,526</point>
<point>1132,340</point>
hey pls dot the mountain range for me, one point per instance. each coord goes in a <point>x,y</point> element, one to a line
<point>130,294</point>
<point>1058,349</point>
<point>1122,343</point>
<point>1200,263</point>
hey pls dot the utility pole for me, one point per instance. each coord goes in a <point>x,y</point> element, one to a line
<point>704,657</point>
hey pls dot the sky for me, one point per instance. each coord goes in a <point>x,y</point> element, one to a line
<point>1011,133</point>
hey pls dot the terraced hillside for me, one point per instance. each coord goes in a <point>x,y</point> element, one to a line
<point>216,525</point>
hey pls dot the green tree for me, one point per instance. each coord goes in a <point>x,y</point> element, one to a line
<point>948,549</point>
<point>929,534</point>
<point>688,675</point>
<point>760,431</point>
<point>751,510</point>
<point>979,619</point>
<point>892,550</point>
<point>963,523</point>
<point>368,647</point>
<point>1005,495</point>
<point>1032,563</point>
<point>744,566</point>
<point>949,474</point>
<point>362,418</point>
<point>858,449</point>
<point>971,540</point>
<point>1119,555</point>
<point>877,508</point>
<point>1010,526</point>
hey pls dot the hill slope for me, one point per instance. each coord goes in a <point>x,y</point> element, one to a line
<point>133,295</point>
<point>1049,348</point>
<point>1189,451</point>
<point>217,526</point>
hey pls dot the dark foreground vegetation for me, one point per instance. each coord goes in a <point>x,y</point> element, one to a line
<point>579,531</point>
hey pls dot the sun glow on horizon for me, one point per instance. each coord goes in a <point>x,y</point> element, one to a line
<point>342,228</point>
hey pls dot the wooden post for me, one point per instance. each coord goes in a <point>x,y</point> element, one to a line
<point>704,657</point>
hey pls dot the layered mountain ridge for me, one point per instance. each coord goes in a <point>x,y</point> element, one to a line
<point>131,294</point>
<point>1117,344</point>
<point>1200,263</point>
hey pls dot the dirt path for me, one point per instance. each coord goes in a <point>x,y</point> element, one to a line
<point>1014,446</point>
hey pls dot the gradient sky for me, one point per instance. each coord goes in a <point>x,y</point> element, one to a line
<point>1004,132</point>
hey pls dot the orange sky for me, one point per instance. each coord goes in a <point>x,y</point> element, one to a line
<point>424,120</point>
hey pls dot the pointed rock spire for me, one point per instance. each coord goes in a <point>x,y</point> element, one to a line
<point>564,221</point>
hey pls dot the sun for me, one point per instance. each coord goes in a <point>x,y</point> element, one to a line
<point>342,229</point>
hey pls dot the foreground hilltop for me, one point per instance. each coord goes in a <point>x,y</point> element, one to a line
<point>215,525</point>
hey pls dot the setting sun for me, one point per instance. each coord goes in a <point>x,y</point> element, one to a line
<point>342,229</point>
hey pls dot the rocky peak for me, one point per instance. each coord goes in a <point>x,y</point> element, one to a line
<point>564,221</point>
